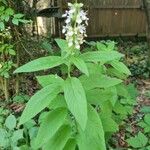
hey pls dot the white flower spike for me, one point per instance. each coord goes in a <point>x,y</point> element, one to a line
<point>75,25</point>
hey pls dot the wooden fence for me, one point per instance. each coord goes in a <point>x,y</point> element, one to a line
<point>107,17</point>
<point>114,17</point>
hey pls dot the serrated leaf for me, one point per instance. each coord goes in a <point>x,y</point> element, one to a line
<point>81,65</point>
<point>76,100</point>
<point>101,56</point>
<point>51,123</point>
<point>40,64</point>
<point>121,67</point>
<point>98,81</point>
<point>138,141</point>
<point>49,79</point>
<point>59,139</point>
<point>93,136</point>
<point>39,101</point>
<point>10,122</point>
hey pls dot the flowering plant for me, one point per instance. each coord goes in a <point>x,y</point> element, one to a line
<point>76,22</point>
<point>77,104</point>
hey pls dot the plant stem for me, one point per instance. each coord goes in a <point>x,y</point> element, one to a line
<point>6,89</point>
<point>17,76</point>
<point>1,84</point>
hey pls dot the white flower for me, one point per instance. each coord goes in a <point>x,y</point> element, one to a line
<point>70,5</point>
<point>76,22</point>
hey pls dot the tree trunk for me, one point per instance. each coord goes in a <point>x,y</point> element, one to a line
<point>146,4</point>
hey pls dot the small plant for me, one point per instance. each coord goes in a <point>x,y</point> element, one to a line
<point>82,100</point>
<point>7,50</point>
<point>8,135</point>
<point>136,54</point>
<point>139,141</point>
<point>12,137</point>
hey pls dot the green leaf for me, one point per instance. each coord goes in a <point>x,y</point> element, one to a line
<point>40,64</point>
<point>50,79</point>
<point>47,46</point>
<point>25,21</point>
<point>115,73</point>
<point>110,45</point>
<point>145,109</point>
<point>32,134</point>
<point>28,125</point>
<point>122,90</point>
<point>10,122</point>
<point>145,126</point>
<point>120,67</point>
<point>4,142</point>
<point>9,11</point>
<point>5,17</point>
<point>51,123</point>
<point>95,68</point>
<point>63,45</point>
<point>70,145</point>
<point>17,135</point>
<point>39,101</point>
<point>93,136</point>
<point>18,16</point>
<point>147,119</point>
<point>101,56</point>
<point>138,141</point>
<point>2,26</point>
<point>58,102</point>
<point>120,109</point>
<point>15,21</point>
<point>98,96</point>
<point>101,46</point>
<point>98,81</point>
<point>106,108</point>
<point>132,91</point>
<point>109,124</point>
<point>59,139</point>
<point>12,52</point>
<point>76,100</point>
<point>81,65</point>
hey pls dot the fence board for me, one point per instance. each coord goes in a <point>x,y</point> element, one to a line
<point>114,17</point>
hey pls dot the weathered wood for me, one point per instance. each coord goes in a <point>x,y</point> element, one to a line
<point>147,12</point>
<point>114,17</point>
<point>107,17</point>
